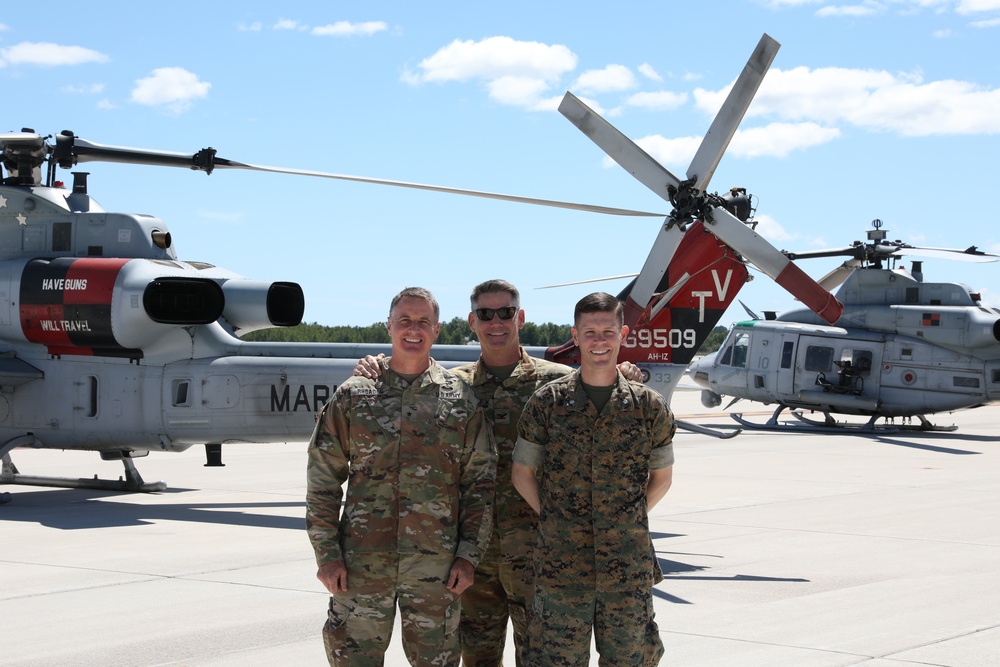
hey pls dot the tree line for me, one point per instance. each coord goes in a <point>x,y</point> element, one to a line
<point>455,332</point>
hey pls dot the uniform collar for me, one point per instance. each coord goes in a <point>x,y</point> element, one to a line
<point>524,371</point>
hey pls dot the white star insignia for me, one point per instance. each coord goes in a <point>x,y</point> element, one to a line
<point>21,220</point>
<point>3,202</point>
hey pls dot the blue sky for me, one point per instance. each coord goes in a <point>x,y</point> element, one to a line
<point>876,109</point>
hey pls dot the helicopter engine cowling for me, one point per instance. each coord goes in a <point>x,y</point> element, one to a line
<point>949,326</point>
<point>255,304</point>
<point>109,306</point>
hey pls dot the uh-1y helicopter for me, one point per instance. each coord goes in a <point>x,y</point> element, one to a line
<point>902,348</point>
<point>111,343</point>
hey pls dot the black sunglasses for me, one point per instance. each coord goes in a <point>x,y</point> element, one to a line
<point>505,313</point>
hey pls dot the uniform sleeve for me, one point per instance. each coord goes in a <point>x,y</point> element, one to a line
<point>532,433</point>
<point>479,472</point>
<point>662,428</point>
<point>328,470</point>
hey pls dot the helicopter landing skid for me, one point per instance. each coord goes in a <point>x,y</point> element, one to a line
<point>807,426</point>
<point>704,430</point>
<point>132,482</point>
<point>831,425</point>
<point>924,426</point>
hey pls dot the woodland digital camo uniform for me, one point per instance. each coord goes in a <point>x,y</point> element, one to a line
<point>503,586</point>
<point>419,467</point>
<point>594,565</point>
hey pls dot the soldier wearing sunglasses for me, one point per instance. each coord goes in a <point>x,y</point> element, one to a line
<point>503,379</point>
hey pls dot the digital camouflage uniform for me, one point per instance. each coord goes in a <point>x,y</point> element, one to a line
<point>594,564</point>
<point>503,586</point>
<point>419,467</point>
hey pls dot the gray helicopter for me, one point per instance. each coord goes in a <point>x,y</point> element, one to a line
<point>109,342</point>
<point>902,349</point>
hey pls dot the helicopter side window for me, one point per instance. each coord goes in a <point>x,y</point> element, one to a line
<point>181,393</point>
<point>819,358</point>
<point>861,361</point>
<point>736,352</point>
<point>787,353</point>
<point>62,236</point>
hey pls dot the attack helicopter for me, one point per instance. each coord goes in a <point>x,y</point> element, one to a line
<point>109,342</point>
<point>903,348</point>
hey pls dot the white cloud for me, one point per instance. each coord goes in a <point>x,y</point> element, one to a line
<point>659,101</point>
<point>774,140</point>
<point>870,99</point>
<point>674,154</point>
<point>613,78</point>
<point>779,139</point>
<point>865,9</point>
<point>975,6</point>
<point>256,26</point>
<point>518,91</point>
<point>986,23</point>
<point>172,87</point>
<point>288,24</point>
<point>495,57</point>
<point>771,229</point>
<point>90,89</point>
<point>347,29</point>
<point>647,71</point>
<point>49,55</point>
<point>515,72</point>
<point>106,105</point>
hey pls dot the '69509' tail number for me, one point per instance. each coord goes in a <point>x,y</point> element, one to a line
<point>657,338</point>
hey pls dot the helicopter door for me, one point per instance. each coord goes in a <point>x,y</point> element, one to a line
<point>785,382</point>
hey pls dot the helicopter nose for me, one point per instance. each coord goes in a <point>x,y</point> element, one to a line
<point>699,369</point>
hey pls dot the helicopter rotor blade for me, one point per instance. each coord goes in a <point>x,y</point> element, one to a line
<point>969,255</point>
<point>606,210</point>
<point>71,150</point>
<point>590,280</point>
<point>834,279</point>
<point>731,113</point>
<point>619,148</point>
<point>849,251</point>
<point>206,160</point>
<point>664,247</point>
<point>771,261</point>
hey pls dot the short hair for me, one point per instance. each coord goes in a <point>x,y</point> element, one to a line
<point>599,302</point>
<point>416,293</point>
<point>495,285</point>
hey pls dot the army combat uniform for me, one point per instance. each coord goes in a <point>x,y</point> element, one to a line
<point>419,467</point>
<point>503,588</point>
<point>594,566</point>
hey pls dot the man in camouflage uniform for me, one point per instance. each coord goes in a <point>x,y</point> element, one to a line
<point>419,467</point>
<point>503,380</point>
<point>602,446</point>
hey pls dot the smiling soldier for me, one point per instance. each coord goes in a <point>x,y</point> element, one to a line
<point>601,448</point>
<point>419,467</point>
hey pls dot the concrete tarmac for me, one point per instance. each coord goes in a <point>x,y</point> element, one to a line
<point>778,549</point>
